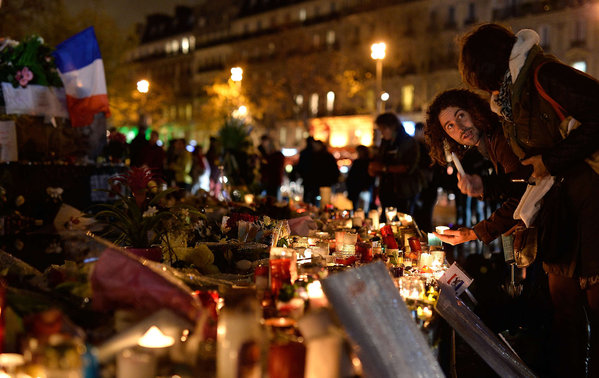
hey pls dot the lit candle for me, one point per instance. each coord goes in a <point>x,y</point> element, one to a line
<point>441,229</point>
<point>316,295</point>
<point>154,338</point>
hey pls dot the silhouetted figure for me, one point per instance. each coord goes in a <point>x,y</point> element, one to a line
<point>358,180</point>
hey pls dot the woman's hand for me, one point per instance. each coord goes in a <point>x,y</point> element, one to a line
<point>455,237</point>
<point>539,169</point>
<point>471,185</point>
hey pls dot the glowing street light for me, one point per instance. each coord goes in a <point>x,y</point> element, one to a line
<point>377,52</point>
<point>143,86</point>
<point>236,74</point>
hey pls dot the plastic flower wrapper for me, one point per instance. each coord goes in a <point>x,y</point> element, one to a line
<point>122,280</point>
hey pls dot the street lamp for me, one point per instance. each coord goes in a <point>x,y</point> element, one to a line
<point>236,74</point>
<point>143,87</point>
<point>378,54</point>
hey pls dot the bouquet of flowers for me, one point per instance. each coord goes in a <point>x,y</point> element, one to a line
<point>141,217</point>
<point>28,62</point>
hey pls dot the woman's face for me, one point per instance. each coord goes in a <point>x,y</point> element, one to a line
<point>458,124</point>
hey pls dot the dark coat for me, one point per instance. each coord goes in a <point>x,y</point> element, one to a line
<point>499,187</point>
<point>535,130</point>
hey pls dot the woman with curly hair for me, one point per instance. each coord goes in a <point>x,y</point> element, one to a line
<point>457,120</point>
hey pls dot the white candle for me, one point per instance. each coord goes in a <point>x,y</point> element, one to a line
<point>135,364</point>
<point>316,295</point>
<point>441,229</point>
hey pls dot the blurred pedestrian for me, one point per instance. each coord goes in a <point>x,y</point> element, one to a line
<point>154,155</point>
<point>137,147</point>
<point>396,165</point>
<point>304,169</point>
<point>358,181</point>
<point>272,166</point>
<point>181,164</point>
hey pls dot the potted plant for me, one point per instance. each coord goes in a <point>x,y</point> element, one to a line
<point>140,215</point>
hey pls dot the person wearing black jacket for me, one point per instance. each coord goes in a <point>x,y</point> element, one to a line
<point>396,165</point>
<point>508,66</point>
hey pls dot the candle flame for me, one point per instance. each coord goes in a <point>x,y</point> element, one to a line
<point>154,338</point>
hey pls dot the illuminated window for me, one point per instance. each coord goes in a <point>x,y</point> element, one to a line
<point>544,34</point>
<point>314,103</point>
<point>185,45</point>
<point>580,65</point>
<point>283,136</point>
<point>407,98</point>
<point>580,31</point>
<point>330,101</point>
<point>271,47</point>
<point>299,100</point>
<point>188,112</point>
<point>331,37</point>
<point>167,47</point>
<point>302,15</point>
<point>192,42</point>
<point>175,46</point>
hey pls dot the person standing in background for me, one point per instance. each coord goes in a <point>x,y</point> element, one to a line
<point>154,156</point>
<point>272,167</point>
<point>397,165</point>
<point>137,147</point>
<point>181,164</point>
<point>358,180</point>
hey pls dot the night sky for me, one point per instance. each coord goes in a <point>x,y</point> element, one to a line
<point>129,12</point>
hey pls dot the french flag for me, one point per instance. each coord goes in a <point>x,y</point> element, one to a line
<point>82,72</point>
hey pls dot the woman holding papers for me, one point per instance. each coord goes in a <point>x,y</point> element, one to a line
<point>459,119</point>
<point>535,93</point>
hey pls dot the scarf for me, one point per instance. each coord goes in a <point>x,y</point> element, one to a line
<point>502,102</point>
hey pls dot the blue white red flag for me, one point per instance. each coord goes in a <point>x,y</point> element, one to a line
<point>82,72</point>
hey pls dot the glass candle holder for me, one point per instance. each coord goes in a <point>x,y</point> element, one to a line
<point>411,288</point>
<point>283,268</point>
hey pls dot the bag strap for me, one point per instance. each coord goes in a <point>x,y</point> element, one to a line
<point>557,107</point>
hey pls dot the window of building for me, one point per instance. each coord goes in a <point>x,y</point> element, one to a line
<point>544,35</point>
<point>580,65</point>
<point>271,47</point>
<point>192,42</point>
<point>316,40</point>
<point>273,20</point>
<point>580,32</point>
<point>407,98</point>
<point>316,11</point>
<point>330,37</point>
<point>330,101</point>
<point>302,14</point>
<point>167,47</point>
<point>451,16</point>
<point>283,136</point>
<point>314,104</point>
<point>188,112</point>
<point>184,45</point>
<point>174,46</point>
<point>471,13</point>
<point>258,24</point>
<point>299,100</point>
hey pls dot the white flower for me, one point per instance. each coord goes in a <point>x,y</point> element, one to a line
<point>152,210</point>
<point>185,213</point>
